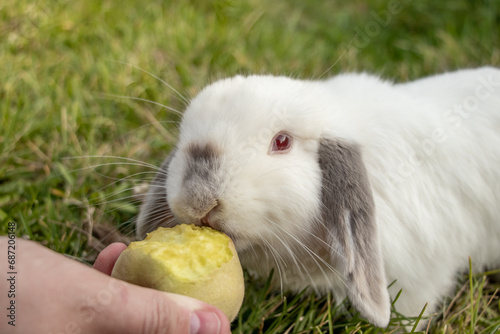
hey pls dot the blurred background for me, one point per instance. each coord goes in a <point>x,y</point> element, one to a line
<point>84,104</point>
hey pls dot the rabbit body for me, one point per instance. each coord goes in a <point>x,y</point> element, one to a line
<point>383,182</point>
<point>432,153</point>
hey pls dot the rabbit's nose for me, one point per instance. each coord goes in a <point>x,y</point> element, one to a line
<point>205,221</point>
<point>208,220</point>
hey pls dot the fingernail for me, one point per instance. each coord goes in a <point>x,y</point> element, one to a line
<point>203,322</point>
<point>194,325</point>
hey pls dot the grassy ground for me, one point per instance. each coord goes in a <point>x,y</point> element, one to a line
<point>64,63</point>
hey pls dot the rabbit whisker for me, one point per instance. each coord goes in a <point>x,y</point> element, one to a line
<point>182,97</point>
<point>315,256</point>
<point>274,254</point>
<point>142,100</point>
<point>298,263</point>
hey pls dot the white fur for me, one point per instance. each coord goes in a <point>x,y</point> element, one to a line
<point>433,165</point>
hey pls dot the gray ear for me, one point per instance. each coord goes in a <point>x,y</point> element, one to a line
<point>155,211</point>
<point>349,215</point>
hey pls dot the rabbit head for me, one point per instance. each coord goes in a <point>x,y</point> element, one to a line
<point>258,159</point>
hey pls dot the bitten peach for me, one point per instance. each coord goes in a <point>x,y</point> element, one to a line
<point>195,261</point>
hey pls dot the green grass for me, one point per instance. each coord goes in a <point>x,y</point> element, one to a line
<point>62,64</point>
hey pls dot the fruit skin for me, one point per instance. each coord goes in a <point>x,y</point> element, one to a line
<point>142,263</point>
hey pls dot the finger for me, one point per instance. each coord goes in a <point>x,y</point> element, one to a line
<point>140,310</point>
<point>106,259</point>
<point>204,318</point>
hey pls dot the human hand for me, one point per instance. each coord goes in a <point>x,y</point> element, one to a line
<point>55,294</point>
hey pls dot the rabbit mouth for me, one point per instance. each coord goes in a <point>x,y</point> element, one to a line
<point>208,221</point>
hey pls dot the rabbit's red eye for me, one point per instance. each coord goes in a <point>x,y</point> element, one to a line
<point>281,143</point>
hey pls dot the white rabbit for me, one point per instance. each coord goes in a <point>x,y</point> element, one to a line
<point>346,184</point>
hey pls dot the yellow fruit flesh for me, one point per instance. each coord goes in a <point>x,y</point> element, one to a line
<point>193,252</point>
<point>195,261</point>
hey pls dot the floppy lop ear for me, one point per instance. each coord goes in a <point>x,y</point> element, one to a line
<point>349,216</point>
<point>155,210</point>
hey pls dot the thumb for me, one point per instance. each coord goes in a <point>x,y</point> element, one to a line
<point>138,310</point>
